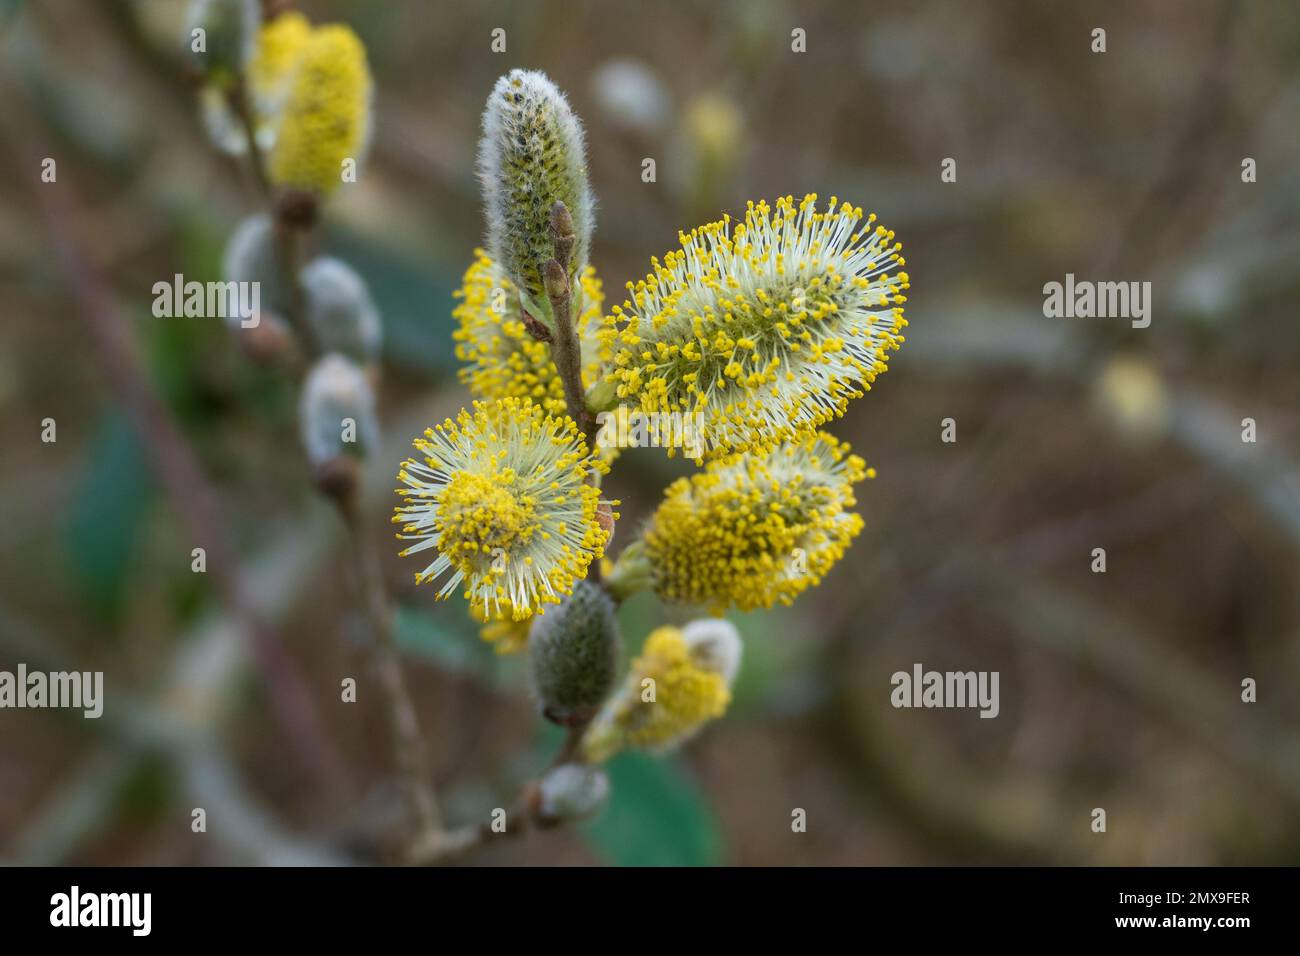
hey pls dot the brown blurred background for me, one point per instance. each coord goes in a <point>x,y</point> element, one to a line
<point>1119,690</point>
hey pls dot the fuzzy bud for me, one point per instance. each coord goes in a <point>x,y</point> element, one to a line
<point>251,256</point>
<point>337,413</point>
<point>573,652</point>
<point>339,309</point>
<point>531,156</point>
<point>571,791</point>
<point>220,35</point>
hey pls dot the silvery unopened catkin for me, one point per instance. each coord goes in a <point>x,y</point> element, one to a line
<point>572,791</point>
<point>573,651</point>
<point>337,411</point>
<point>339,309</point>
<point>531,156</point>
<point>251,256</point>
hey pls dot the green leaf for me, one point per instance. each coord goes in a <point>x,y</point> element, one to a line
<point>656,816</point>
<point>105,521</point>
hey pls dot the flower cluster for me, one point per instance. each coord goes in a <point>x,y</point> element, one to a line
<point>501,359</point>
<point>307,94</point>
<point>767,329</point>
<point>759,330</point>
<point>755,530</point>
<point>680,681</point>
<point>325,118</point>
<point>504,495</point>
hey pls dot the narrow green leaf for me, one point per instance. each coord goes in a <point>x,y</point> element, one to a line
<point>107,514</point>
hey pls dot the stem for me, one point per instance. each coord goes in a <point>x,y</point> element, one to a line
<point>408,744</point>
<point>631,573</point>
<point>238,99</point>
<point>288,234</point>
<point>288,254</point>
<point>449,845</point>
<point>566,350</point>
<point>570,748</point>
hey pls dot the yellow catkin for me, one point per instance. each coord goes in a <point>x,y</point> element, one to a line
<point>501,359</point>
<point>506,496</point>
<point>326,114</point>
<point>766,327</point>
<point>686,695</point>
<point>755,530</point>
<point>279,44</point>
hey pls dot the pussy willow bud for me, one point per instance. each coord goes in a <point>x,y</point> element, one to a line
<point>531,156</point>
<point>336,416</point>
<point>554,280</point>
<point>229,31</point>
<point>250,256</point>
<point>339,309</point>
<point>571,791</point>
<point>573,652</point>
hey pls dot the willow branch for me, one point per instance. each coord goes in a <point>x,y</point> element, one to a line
<point>408,744</point>
<point>566,350</point>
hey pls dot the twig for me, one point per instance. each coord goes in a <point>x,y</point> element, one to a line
<point>569,749</point>
<point>451,845</point>
<point>238,99</point>
<point>566,350</point>
<point>408,743</point>
<point>294,213</point>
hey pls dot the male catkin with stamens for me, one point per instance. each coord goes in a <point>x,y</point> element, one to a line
<point>766,328</point>
<point>530,157</point>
